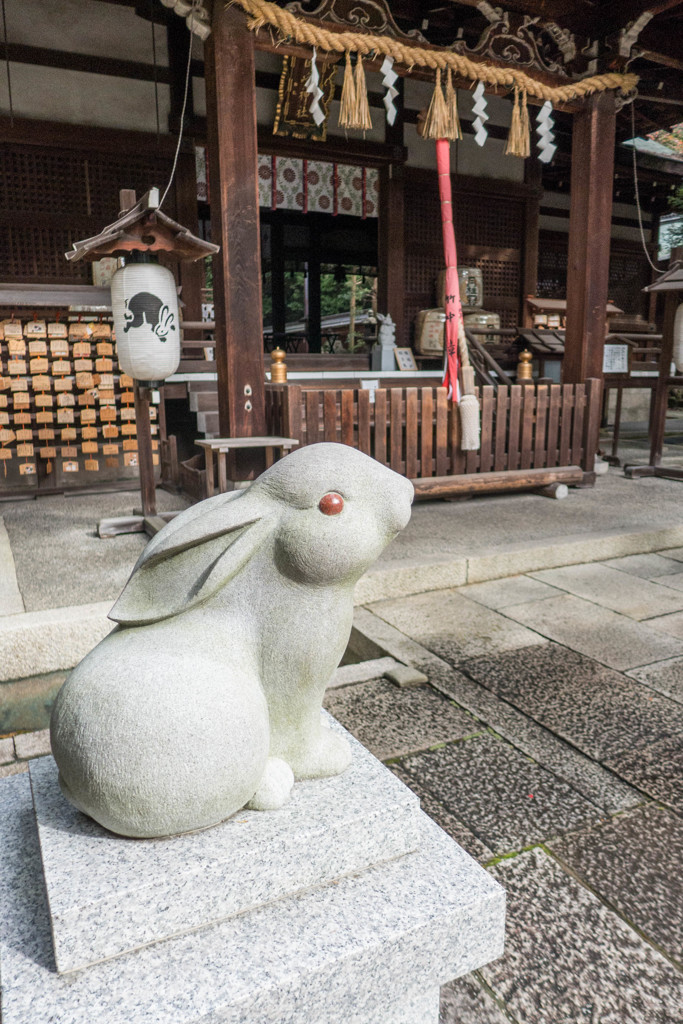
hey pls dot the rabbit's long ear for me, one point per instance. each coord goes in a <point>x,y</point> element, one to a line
<point>193,556</point>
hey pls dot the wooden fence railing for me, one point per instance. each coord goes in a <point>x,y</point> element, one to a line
<point>416,431</point>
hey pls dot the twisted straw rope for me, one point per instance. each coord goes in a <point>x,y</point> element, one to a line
<point>287,24</point>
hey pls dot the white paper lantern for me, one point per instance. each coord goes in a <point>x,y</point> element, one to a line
<point>146,320</point>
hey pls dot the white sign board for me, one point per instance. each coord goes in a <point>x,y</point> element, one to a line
<point>615,359</point>
<point>371,386</point>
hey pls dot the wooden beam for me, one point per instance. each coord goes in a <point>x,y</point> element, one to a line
<point>30,132</point>
<point>231,115</point>
<point>66,60</point>
<point>590,220</point>
<point>335,148</point>
<point>465,484</point>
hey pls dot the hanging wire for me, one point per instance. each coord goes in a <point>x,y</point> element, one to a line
<point>154,60</point>
<point>656,269</point>
<point>182,113</point>
<point>9,77</point>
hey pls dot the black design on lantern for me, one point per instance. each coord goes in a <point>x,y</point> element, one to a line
<point>147,308</point>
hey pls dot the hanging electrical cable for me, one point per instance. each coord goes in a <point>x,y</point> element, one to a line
<point>656,269</point>
<point>181,128</point>
<point>9,77</point>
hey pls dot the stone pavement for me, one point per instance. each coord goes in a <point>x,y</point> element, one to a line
<point>539,650</point>
<point>548,741</point>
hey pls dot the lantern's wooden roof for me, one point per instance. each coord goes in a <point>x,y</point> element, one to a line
<point>143,227</point>
<point>670,281</point>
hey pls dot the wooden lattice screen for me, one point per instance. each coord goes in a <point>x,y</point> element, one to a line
<point>51,196</point>
<point>629,272</point>
<point>490,235</point>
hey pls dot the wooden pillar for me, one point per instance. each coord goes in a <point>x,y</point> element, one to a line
<point>277,280</point>
<point>145,456</point>
<point>590,223</point>
<point>661,396</point>
<point>391,246</point>
<point>314,313</point>
<point>233,161</point>
<point>532,206</point>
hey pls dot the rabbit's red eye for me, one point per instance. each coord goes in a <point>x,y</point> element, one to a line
<point>331,504</point>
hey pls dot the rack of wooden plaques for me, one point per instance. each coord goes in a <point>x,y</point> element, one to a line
<point>67,414</point>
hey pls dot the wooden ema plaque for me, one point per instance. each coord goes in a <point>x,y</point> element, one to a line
<point>55,373</point>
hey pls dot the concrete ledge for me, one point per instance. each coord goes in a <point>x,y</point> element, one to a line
<point>36,643</point>
<point>402,578</point>
<point>396,579</point>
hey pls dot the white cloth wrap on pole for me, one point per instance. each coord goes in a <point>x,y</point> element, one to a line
<point>470,438</point>
<point>678,339</point>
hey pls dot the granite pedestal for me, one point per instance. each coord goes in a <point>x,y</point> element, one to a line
<point>347,906</point>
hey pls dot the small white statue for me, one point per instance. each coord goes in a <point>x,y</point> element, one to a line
<point>207,695</point>
<point>383,351</point>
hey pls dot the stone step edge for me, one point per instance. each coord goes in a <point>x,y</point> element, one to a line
<point>416,576</point>
<point>37,643</point>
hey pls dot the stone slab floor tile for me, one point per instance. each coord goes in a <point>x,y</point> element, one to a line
<point>632,596</point>
<point>506,799</point>
<point>647,566</point>
<point>675,553</point>
<point>635,863</point>
<point>664,676</point>
<point>497,594</point>
<point>656,769</point>
<point>569,959</point>
<point>447,821</point>
<point>598,632</point>
<point>465,1002</point>
<point>454,627</point>
<point>600,711</point>
<point>391,721</point>
<point>605,789</point>
<point>671,625</point>
<point>673,580</point>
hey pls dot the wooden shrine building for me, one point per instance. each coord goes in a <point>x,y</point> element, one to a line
<point>95,93</point>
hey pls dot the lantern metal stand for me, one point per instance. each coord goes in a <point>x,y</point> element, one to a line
<point>671,283</point>
<point>146,322</point>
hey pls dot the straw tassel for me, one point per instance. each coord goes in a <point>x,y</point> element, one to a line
<point>454,129</point>
<point>437,122</point>
<point>348,97</point>
<point>362,108</point>
<point>518,139</point>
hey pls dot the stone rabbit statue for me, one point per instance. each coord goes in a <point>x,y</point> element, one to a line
<point>207,695</point>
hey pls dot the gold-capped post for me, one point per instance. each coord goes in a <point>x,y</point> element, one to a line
<point>524,370</point>
<point>278,366</point>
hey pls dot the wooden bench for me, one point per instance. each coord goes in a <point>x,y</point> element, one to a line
<point>220,446</point>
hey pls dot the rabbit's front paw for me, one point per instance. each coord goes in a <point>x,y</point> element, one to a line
<point>274,788</point>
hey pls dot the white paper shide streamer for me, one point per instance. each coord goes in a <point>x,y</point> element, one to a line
<point>389,77</point>
<point>546,138</point>
<point>316,93</point>
<point>479,110</point>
